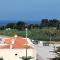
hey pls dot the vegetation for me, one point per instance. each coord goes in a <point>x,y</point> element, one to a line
<point>1,58</point>
<point>35,34</point>
<point>28,58</point>
<point>21,25</point>
<point>57,57</point>
<point>46,30</point>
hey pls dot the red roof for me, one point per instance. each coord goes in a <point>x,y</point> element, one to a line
<point>18,42</point>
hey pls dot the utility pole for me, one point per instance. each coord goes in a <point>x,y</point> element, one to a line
<point>50,38</point>
<point>26,52</point>
<point>26,49</point>
<point>26,32</point>
<point>26,44</point>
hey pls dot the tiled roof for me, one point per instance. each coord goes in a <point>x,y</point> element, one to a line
<point>15,42</point>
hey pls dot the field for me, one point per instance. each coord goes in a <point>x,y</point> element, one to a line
<point>35,34</point>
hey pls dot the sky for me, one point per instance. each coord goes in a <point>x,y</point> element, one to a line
<point>29,10</point>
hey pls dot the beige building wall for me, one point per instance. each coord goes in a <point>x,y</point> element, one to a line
<point>9,54</point>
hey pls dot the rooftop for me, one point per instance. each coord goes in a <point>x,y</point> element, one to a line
<point>15,42</point>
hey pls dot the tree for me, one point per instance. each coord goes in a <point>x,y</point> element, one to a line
<point>20,25</point>
<point>58,26</point>
<point>49,23</point>
<point>36,26</point>
<point>31,26</point>
<point>11,25</point>
<point>44,23</point>
<point>2,27</point>
<point>53,23</point>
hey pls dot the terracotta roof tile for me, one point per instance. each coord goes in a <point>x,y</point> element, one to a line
<point>18,42</point>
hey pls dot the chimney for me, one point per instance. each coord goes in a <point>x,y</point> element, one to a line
<point>15,35</point>
<point>11,44</point>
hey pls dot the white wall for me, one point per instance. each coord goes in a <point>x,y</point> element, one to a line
<point>9,54</point>
<point>45,52</point>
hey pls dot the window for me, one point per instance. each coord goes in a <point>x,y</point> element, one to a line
<point>46,43</point>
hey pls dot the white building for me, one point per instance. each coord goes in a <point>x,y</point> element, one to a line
<point>45,50</point>
<point>13,48</point>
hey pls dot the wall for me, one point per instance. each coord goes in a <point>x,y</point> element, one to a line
<point>9,54</point>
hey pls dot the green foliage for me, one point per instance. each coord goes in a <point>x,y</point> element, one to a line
<point>11,25</point>
<point>20,25</point>
<point>46,29</point>
<point>50,23</point>
<point>35,34</point>
<point>57,57</point>
<point>45,23</point>
<point>26,58</point>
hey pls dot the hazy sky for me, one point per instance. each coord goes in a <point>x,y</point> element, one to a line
<point>29,9</point>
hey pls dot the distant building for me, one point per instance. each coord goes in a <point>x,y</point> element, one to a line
<point>8,29</point>
<point>13,48</point>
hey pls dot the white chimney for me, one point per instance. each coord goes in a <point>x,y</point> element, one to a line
<point>11,44</point>
<point>15,36</point>
<point>12,41</point>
